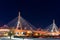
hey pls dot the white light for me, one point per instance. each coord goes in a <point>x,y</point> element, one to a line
<point>28,39</point>
<point>4,30</point>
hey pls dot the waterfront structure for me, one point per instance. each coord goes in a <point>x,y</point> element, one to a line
<point>24,29</point>
<point>4,30</point>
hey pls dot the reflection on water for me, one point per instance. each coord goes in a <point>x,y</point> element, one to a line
<point>29,39</point>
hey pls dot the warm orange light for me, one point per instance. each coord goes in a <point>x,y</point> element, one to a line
<point>36,34</point>
<point>29,32</point>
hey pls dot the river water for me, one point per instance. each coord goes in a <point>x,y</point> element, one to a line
<point>29,39</point>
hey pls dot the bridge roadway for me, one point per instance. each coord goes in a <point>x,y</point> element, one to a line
<point>37,34</point>
<point>31,33</point>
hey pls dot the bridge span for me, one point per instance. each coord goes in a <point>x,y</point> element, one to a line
<point>19,27</point>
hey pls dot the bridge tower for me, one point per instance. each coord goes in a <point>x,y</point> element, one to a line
<point>19,26</point>
<point>54,27</point>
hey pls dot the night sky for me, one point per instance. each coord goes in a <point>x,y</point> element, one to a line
<point>39,13</point>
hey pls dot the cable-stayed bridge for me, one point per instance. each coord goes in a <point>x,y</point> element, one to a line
<point>19,27</point>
